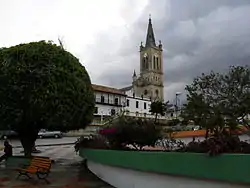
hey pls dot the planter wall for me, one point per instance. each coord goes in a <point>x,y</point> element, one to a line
<point>16,161</point>
<point>228,167</point>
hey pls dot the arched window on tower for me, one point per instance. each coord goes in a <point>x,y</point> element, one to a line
<point>157,62</point>
<point>146,62</point>
<point>157,92</point>
<point>154,61</point>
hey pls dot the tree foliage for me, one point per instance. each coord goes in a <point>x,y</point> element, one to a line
<point>159,108</point>
<point>219,100</point>
<point>43,86</point>
<point>138,132</point>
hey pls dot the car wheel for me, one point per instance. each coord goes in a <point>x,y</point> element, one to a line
<point>56,136</point>
<point>40,136</point>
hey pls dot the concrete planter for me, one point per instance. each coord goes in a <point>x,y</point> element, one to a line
<point>16,161</point>
<point>141,169</point>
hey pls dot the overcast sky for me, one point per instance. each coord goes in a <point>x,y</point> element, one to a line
<point>197,35</point>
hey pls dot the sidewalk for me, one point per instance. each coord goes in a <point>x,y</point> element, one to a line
<point>62,176</point>
<point>43,145</point>
<point>44,142</point>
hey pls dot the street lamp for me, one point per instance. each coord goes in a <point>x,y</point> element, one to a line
<point>176,102</point>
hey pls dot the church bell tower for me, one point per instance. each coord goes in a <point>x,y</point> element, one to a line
<point>150,82</point>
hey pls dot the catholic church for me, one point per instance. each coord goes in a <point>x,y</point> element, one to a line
<point>148,83</point>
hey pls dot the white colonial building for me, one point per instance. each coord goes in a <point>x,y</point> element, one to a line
<point>136,105</point>
<point>109,101</point>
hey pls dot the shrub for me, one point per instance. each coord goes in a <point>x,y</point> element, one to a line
<point>225,143</point>
<point>94,142</point>
<point>124,131</point>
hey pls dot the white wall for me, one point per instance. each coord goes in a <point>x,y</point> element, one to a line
<point>105,110</point>
<point>109,103</point>
<point>141,102</point>
<point>132,104</point>
<point>130,92</point>
<point>109,98</point>
<point>126,178</point>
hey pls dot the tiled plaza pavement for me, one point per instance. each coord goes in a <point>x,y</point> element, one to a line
<point>68,171</point>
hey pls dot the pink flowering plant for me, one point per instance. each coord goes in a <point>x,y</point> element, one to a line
<point>124,131</point>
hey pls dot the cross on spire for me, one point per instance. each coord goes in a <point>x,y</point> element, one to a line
<point>150,40</point>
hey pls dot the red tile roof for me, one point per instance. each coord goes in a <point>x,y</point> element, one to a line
<point>107,89</point>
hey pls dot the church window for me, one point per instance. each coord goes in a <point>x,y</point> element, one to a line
<point>146,63</point>
<point>134,95</point>
<point>145,92</point>
<point>156,92</point>
<point>157,62</point>
<point>137,104</point>
<point>154,62</point>
<point>145,105</point>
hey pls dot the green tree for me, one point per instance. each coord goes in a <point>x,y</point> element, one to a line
<point>159,108</point>
<point>43,86</point>
<point>219,100</point>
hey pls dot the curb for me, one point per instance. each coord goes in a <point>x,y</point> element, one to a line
<point>44,145</point>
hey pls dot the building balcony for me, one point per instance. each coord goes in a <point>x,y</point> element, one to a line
<point>108,102</point>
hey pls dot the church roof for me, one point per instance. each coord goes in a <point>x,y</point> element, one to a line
<point>150,40</point>
<point>107,89</point>
<point>126,88</point>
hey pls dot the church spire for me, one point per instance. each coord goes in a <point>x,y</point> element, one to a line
<point>150,40</point>
<point>134,74</point>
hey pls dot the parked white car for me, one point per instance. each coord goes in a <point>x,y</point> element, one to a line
<point>49,134</point>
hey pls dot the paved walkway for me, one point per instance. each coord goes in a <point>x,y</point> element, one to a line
<point>68,171</point>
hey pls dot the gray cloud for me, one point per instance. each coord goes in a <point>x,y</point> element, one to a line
<point>198,36</point>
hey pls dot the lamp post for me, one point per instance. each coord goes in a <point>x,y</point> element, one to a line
<point>176,103</point>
